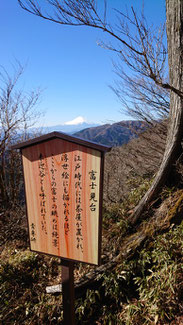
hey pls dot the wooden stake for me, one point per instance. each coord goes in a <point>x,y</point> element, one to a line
<point>68,292</point>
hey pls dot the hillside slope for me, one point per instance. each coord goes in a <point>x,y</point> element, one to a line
<point>131,163</point>
<point>115,134</point>
<point>140,280</point>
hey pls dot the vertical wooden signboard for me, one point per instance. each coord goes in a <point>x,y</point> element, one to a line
<point>63,183</point>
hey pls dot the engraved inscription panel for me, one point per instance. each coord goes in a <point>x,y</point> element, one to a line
<point>62,183</point>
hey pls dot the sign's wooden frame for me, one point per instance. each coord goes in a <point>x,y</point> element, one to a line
<point>101,148</point>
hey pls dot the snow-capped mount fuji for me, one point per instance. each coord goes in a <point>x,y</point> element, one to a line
<point>70,127</point>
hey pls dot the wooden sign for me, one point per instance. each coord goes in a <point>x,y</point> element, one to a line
<point>63,183</point>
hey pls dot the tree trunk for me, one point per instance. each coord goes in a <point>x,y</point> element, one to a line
<point>174,24</point>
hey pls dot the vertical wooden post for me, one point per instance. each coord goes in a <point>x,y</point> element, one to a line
<point>68,292</point>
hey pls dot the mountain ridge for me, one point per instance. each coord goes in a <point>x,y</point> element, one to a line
<point>115,134</point>
<point>66,128</point>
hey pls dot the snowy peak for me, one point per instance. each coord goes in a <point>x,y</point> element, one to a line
<point>77,121</point>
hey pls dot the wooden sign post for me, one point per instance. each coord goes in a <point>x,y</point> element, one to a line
<point>68,292</point>
<point>64,184</point>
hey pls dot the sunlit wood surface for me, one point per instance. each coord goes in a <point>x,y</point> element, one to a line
<point>62,183</point>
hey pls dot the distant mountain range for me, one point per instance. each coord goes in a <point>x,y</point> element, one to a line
<point>69,129</point>
<point>115,134</point>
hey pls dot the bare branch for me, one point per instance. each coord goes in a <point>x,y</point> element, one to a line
<point>17,113</point>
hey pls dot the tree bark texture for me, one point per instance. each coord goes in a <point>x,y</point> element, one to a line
<point>174,25</point>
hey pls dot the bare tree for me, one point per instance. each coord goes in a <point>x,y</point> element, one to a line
<point>173,149</point>
<point>141,98</point>
<point>142,49</point>
<point>17,113</point>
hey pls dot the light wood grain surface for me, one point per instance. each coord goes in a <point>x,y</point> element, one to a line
<point>62,183</point>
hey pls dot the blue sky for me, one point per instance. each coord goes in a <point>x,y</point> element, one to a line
<point>65,62</point>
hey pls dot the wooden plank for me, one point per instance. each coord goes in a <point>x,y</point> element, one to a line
<point>63,191</point>
<point>54,289</point>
